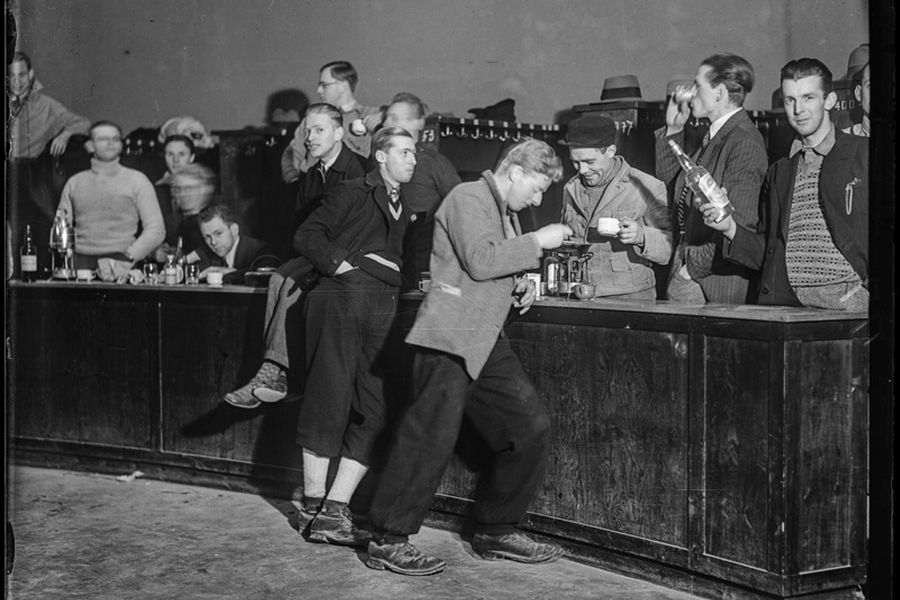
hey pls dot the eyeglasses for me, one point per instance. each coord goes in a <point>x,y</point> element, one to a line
<point>325,84</point>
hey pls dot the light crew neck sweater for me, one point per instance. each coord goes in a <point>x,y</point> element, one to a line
<point>106,204</point>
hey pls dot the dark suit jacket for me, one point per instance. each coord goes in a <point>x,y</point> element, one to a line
<point>736,159</point>
<point>251,254</point>
<point>846,213</point>
<point>347,165</point>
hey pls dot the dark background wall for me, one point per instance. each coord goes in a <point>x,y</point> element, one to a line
<point>140,62</point>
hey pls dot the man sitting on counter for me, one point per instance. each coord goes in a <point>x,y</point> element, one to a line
<point>109,204</point>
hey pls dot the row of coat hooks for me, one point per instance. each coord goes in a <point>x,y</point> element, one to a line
<point>485,129</point>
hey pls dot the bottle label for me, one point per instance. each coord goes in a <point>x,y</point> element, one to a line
<point>711,190</point>
<point>29,264</point>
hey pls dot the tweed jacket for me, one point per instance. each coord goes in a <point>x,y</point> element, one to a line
<point>843,190</point>
<point>736,159</point>
<point>618,268</point>
<point>473,268</point>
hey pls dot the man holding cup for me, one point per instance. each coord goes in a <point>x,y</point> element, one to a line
<point>621,211</point>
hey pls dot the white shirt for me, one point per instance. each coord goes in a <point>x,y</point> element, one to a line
<point>229,258</point>
<point>716,125</point>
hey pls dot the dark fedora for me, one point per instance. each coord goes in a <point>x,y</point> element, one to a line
<point>621,87</point>
<point>858,59</point>
<point>505,110</point>
<point>590,131</point>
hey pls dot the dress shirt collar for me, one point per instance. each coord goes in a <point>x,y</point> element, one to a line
<point>716,125</point>
<point>822,148</point>
<point>229,258</point>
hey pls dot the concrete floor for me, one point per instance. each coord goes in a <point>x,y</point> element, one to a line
<point>82,535</point>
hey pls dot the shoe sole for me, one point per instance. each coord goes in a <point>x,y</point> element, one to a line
<point>382,565</point>
<point>268,395</point>
<point>234,403</point>
<point>321,538</point>
<point>496,555</point>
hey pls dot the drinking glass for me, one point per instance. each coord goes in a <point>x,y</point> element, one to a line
<point>151,275</point>
<point>192,274</point>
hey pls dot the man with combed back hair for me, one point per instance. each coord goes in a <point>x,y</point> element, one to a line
<point>464,365</point>
<point>734,153</point>
<point>354,240</point>
<point>812,244</point>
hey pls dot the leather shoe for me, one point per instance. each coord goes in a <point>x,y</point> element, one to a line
<point>403,558</point>
<point>336,527</point>
<point>515,546</point>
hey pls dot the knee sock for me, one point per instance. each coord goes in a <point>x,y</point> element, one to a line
<point>315,472</point>
<point>350,473</point>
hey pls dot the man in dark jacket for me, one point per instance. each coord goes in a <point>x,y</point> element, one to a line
<point>355,241</point>
<point>735,155</point>
<point>227,251</point>
<point>335,162</point>
<point>812,241</point>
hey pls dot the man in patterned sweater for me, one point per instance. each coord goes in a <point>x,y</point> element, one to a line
<point>812,243</point>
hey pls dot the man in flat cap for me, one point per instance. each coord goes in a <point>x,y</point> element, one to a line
<point>607,187</point>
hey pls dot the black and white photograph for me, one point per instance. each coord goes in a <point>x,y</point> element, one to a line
<point>449,299</point>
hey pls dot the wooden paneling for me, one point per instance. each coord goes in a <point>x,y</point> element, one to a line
<point>709,448</point>
<point>84,369</point>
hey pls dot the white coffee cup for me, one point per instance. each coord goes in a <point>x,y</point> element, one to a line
<point>608,226</point>
<point>214,279</point>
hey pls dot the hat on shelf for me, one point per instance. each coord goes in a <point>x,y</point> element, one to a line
<point>858,59</point>
<point>674,84</point>
<point>621,87</point>
<point>505,110</point>
<point>590,131</point>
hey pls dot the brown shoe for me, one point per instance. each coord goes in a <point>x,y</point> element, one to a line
<point>334,526</point>
<point>403,558</point>
<point>515,546</point>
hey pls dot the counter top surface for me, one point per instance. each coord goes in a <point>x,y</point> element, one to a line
<point>743,312</point>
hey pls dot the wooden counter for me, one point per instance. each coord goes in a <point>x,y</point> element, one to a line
<point>717,449</point>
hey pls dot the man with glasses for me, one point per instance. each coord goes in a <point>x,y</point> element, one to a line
<point>337,84</point>
<point>113,208</point>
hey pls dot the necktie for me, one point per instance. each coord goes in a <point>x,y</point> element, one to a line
<point>395,206</point>
<point>320,169</point>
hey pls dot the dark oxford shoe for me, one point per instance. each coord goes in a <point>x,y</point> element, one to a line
<point>403,558</point>
<point>515,546</point>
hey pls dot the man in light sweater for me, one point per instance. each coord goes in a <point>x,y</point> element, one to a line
<point>109,204</point>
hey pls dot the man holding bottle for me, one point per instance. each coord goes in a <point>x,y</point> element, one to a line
<point>812,246</point>
<point>734,153</point>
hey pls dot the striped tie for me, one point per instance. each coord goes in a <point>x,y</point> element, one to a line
<point>683,205</point>
<point>395,206</point>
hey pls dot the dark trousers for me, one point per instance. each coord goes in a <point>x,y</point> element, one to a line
<point>348,319</point>
<point>503,408</point>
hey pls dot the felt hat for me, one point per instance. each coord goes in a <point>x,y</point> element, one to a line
<point>621,87</point>
<point>590,131</point>
<point>505,110</point>
<point>857,60</point>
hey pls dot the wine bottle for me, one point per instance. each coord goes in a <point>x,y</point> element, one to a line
<point>705,188</point>
<point>28,257</point>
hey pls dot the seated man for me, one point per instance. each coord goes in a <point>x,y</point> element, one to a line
<point>337,86</point>
<point>607,186</point>
<point>226,250</point>
<point>812,242</point>
<point>108,204</point>
<point>335,162</point>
